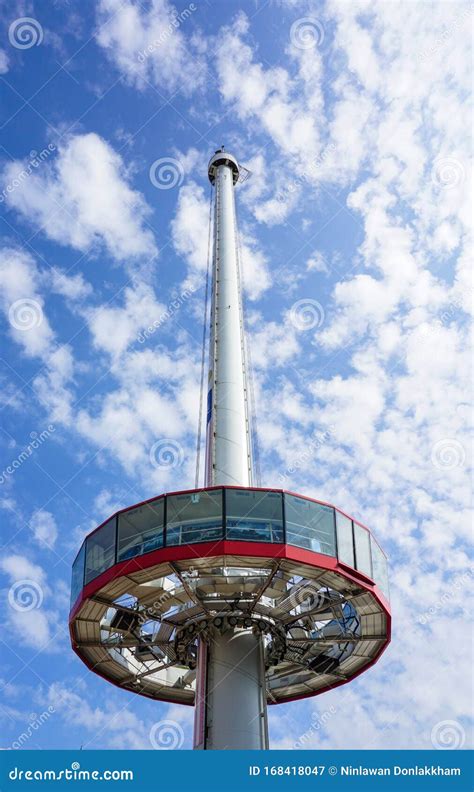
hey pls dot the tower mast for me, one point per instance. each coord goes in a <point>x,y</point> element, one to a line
<point>231,710</point>
<point>228,454</point>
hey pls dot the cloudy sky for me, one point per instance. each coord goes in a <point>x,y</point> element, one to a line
<point>353,119</point>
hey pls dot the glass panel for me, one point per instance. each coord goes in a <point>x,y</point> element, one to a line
<point>100,550</point>
<point>310,525</point>
<point>194,518</point>
<point>345,545</point>
<point>140,530</point>
<point>379,565</point>
<point>254,516</point>
<point>362,548</point>
<point>77,581</point>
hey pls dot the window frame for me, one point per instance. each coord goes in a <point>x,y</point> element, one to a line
<point>90,539</point>
<point>122,515</point>
<point>82,550</point>
<point>367,532</point>
<point>204,491</point>
<point>352,541</point>
<point>265,493</point>
<point>317,504</point>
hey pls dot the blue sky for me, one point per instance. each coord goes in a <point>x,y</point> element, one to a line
<point>352,119</point>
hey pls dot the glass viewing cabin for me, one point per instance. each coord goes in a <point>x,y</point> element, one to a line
<point>234,514</point>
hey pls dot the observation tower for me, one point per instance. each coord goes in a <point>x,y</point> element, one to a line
<point>229,597</point>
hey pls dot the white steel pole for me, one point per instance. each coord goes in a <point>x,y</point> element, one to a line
<point>228,452</point>
<point>231,710</point>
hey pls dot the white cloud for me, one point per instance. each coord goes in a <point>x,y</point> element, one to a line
<point>268,97</point>
<point>155,399</point>
<point>272,344</point>
<point>156,396</point>
<point>114,329</point>
<point>267,193</point>
<point>257,182</point>
<point>241,80</point>
<point>3,62</point>
<point>255,272</point>
<point>23,306</point>
<point>20,281</point>
<point>189,226</point>
<point>44,528</point>
<point>191,161</point>
<point>107,502</point>
<point>144,409</point>
<point>114,724</point>
<point>276,208</point>
<point>317,263</point>
<point>152,43</point>
<point>72,287</point>
<point>83,198</point>
<point>28,620</point>
<point>18,567</point>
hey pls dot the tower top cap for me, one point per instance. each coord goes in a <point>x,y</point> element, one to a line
<point>222,157</point>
